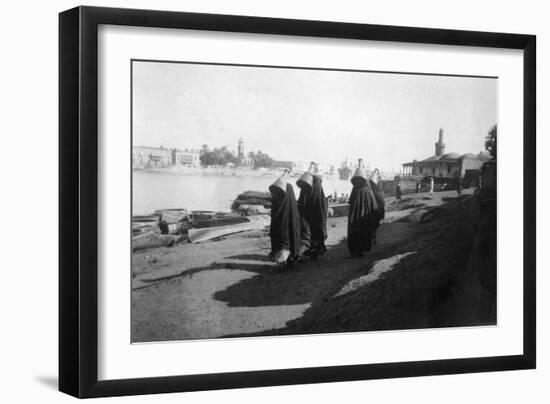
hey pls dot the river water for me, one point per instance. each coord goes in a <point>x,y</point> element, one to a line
<point>162,190</point>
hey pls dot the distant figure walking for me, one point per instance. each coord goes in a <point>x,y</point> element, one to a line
<point>313,208</point>
<point>364,213</point>
<point>459,186</point>
<point>284,230</point>
<point>397,189</point>
<point>431,185</point>
<point>163,226</point>
<point>417,186</point>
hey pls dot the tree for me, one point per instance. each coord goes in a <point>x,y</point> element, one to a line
<point>491,142</point>
<point>260,159</point>
<point>217,156</point>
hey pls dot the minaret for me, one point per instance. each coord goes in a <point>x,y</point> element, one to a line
<point>240,149</point>
<point>440,146</point>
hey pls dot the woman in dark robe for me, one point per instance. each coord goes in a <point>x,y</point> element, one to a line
<point>380,212</point>
<point>284,230</point>
<point>305,183</point>
<point>364,214</point>
<point>313,208</point>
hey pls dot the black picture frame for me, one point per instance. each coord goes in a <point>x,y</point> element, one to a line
<point>78,201</point>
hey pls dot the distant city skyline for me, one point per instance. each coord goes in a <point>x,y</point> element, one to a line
<point>300,114</point>
<point>167,148</point>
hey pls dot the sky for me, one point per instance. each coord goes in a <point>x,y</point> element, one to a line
<point>310,115</point>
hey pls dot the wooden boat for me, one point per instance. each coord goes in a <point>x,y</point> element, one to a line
<point>172,215</point>
<point>145,218</point>
<point>219,221</point>
<point>338,209</point>
<point>258,222</point>
<point>252,198</point>
<point>253,209</point>
<point>141,228</point>
<point>153,239</point>
<point>199,215</point>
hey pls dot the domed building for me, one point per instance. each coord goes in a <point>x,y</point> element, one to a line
<point>445,165</point>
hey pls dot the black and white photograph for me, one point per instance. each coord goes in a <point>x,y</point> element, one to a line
<point>282,200</point>
<point>275,202</point>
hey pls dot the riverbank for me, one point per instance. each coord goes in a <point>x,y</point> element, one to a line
<point>204,190</point>
<point>419,274</point>
<point>221,171</point>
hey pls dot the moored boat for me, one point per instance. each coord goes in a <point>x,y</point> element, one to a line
<point>257,222</point>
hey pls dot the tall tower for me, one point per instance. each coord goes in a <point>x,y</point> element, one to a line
<point>240,149</point>
<point>440,146</point>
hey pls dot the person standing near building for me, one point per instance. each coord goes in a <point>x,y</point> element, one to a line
<point>431,185</point>
<point>417,186</point>
<point>397,189</point>
<point>284,229</point>
<point>363,217</point>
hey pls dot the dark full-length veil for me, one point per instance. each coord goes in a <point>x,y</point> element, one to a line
<point>313,207</point>
<point>363,218</point>
<point>303,206</point>
<point>317,211</point>
<point>379,196</point>
<point>285,222</point>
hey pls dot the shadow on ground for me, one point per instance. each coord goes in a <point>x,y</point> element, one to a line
<point>448,282</point>
<point>249,257</point>
<point>310,281</point>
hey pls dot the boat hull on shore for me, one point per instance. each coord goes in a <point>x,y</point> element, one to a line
<point>257,222</point>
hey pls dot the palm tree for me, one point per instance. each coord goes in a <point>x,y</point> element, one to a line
<point>491,142</point>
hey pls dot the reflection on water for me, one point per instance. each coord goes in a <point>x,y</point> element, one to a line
<point>154,190</point>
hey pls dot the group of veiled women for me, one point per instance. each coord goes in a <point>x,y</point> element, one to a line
<point>299,227</point>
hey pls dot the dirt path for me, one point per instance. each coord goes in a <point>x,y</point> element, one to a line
<point>229,287</point>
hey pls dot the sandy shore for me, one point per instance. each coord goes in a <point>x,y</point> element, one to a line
<point>416,276</point>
